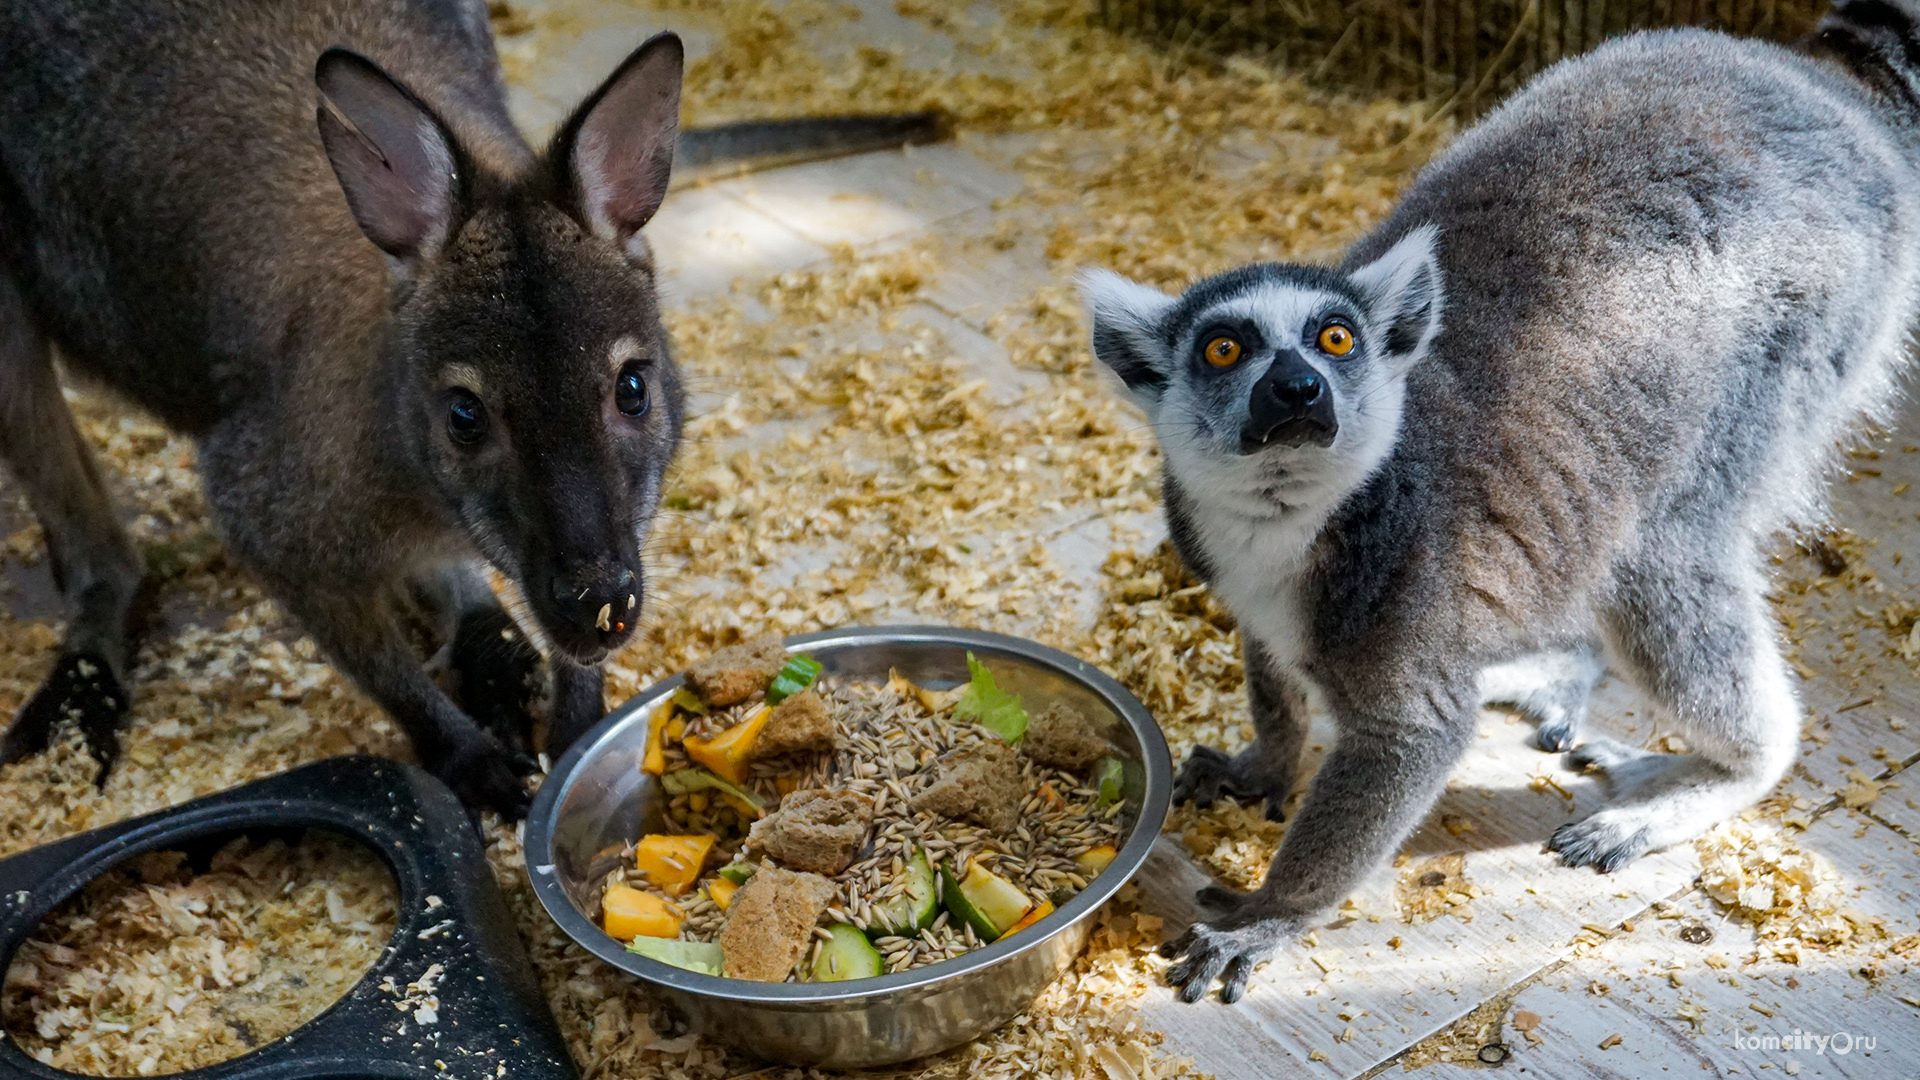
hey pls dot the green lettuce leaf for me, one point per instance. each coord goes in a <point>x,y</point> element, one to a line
<point>989,706</point>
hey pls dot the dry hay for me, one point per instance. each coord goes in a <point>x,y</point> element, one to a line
<point>1464,55</point>
<point>849,466</point>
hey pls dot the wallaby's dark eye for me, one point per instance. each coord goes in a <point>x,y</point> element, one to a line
<point>630,390</point>
<point>466,417</point>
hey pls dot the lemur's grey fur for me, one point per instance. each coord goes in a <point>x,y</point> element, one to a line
<point>1604,349</point>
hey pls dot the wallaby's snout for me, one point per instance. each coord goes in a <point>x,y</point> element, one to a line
<point>597,602</point>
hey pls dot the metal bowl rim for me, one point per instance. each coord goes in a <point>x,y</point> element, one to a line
<point>1155,801</point>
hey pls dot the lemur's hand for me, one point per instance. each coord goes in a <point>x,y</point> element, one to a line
<point>1248,930</point>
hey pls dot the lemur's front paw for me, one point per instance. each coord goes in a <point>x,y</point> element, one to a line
<point>81,688</point>
<point>495,673</point>
<point>1209,774</point>
<point>488,776</point>
<point>1229,947</point>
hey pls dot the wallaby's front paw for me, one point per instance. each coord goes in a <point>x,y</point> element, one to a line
<point>1209,774</point>
<point>494,670</point>
<point>488,776</point>
<point>1229,947</point>
<point>81,688</point>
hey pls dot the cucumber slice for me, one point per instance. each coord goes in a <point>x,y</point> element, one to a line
<point>983,900</point>
<point>797,675</point>
<point>1108,776</point>
<point>916,909</point>
<point>700,956</point>
<point>848,956</point>
<point>738,872</point>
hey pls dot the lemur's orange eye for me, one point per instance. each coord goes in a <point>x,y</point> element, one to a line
<point>1223,351</point>
<point>1335,340</point>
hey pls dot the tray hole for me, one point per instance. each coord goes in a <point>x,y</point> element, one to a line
<point>196,954</point>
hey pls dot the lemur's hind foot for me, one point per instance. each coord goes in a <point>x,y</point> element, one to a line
<point>1551,688</point>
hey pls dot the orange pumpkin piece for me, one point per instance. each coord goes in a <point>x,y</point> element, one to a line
<point>672,863</point>
<point>1044,909</point>
<point>721,891</point>
<point>726,754</point>
<point>629,913</point>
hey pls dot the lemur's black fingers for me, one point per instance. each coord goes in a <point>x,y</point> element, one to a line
<point>28,735</point>
<point>1178,945</point>
<point>1204,968</point>
<point>1277,808</point>
<point>1233,984</point>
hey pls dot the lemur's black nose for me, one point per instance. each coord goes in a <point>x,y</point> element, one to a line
<point>1298,392</point>
<point>1291,405</point>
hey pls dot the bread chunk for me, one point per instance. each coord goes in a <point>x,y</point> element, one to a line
<point>1063,738</point>
<point>815,830</point>
<point>737,672</point>
<point>980,783</point>
<point>801,722</point>
<point>770,923</point>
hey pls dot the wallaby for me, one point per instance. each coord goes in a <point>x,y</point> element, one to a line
<point>1569,392</point>
<point>306,233</point>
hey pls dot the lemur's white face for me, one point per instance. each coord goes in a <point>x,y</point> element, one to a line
<point>1268,383</point>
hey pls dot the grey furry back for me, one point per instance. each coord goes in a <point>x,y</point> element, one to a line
<point>193,171</point>
<point>1653,264</point>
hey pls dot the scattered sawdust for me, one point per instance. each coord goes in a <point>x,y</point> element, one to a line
<point>1234,843</point>
<point>153,963</point>
<point>1461,1042</point>
<point>1432,887</point>
<point>1793,898</point>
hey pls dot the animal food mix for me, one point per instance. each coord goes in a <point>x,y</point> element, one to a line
<point>820,830</point>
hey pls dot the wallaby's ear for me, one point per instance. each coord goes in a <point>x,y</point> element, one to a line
<point>1404,294</point>
<point>616,151</point>
<point>1126,325</point>
<point>394,159</point>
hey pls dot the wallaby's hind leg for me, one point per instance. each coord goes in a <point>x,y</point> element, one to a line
<point>1551,688</point>
<point>1267,768</point>
<point>495,670</point>
<point>1698,638</point>
<point>96,567</point>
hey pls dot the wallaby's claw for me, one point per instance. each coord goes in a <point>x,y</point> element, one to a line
<point>1208,774</point>
<point>1227,949</point>
<point>80,688</point>
<point>487,776</point>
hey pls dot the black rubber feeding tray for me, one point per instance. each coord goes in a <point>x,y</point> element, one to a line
<point>492,1020</point>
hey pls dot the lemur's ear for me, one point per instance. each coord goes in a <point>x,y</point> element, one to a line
<point>1126,321</point>
<point>1404,294</point>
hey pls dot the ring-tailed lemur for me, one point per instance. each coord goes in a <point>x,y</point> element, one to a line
<point>1601,352</point>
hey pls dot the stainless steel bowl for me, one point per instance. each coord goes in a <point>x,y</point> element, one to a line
<point>596,801</point>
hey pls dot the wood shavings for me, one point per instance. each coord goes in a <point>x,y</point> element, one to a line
<point>1434,887</point>
<point>153,963</point>
<point>1791,896</point>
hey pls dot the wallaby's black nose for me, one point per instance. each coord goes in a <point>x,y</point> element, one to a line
<point>598,599</point>
<point>1291,405</point>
